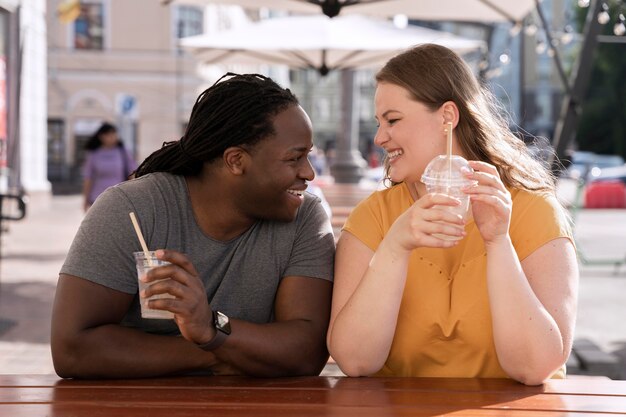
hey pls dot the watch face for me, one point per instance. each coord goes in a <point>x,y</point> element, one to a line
<point>222,322</point>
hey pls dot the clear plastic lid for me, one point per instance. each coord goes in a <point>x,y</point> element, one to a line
<point>442,170</point>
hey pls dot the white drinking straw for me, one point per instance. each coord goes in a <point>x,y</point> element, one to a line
<point>449,139</point>
<point>449,148</point>
<point>140,236</point>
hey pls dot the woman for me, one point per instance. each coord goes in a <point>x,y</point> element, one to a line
<point>108,163</point>
<point>499,302</point>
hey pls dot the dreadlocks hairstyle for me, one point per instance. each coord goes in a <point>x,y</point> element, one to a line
<point>237,110</point>
<point>433,74</point>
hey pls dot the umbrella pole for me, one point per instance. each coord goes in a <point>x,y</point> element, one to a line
<point>348,165</point>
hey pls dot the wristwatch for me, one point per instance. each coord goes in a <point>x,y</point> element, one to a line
<point>221,322</point>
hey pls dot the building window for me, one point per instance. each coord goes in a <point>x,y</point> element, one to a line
<point>56,150</point>
<point>89,26</point>
<point>190,21</point>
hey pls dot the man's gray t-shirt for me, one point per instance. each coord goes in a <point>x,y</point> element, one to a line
<point>241,276</point>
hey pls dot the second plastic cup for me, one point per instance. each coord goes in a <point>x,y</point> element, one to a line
<point>446,175</point>
<point>145,264</point>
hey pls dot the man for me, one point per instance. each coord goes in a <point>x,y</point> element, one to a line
<point>251,252</point>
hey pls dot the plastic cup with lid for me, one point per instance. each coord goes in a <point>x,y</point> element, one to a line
<point>446,175</point>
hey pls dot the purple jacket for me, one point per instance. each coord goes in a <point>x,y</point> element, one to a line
<point>106,167</point>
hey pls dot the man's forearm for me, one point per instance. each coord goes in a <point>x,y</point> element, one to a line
<point>287,348</point>
<point>113,351</point>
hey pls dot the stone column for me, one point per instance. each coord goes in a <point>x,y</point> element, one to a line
<point>348,164</point>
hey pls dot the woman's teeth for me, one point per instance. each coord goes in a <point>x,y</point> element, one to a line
<point>395,154</point>
<point>295,192</point>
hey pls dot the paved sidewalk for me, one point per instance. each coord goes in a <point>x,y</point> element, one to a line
<point>33,250</point>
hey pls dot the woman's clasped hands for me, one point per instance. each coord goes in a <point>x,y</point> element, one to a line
<point>432,221</point>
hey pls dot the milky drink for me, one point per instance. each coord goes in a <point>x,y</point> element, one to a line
<point>446,175</point>
<point>145,264</point>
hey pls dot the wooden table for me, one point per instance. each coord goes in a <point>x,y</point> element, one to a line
<point>39,395</point>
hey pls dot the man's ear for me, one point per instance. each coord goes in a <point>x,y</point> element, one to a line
<point>450,113</point>
<point>235,160</point>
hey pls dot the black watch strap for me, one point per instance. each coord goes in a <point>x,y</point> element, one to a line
<point>222,330</point>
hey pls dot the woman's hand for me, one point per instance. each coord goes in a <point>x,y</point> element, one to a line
<point>426,223</point>
<point>490,201</point>
<point>192,312</point>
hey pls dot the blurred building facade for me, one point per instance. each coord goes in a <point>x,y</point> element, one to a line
<point>107,65</point>
<point>117,61</point>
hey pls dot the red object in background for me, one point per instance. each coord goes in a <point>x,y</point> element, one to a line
<point>605,194</point>
<point>373,159</point>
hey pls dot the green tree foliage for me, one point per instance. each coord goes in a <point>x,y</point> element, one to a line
<point>602,127</point>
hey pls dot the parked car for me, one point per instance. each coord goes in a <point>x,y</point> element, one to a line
<point>612,173</point>
<point>588,165</point>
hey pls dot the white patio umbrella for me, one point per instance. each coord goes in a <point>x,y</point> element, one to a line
<point>317,41</point>
<point>457,10</point>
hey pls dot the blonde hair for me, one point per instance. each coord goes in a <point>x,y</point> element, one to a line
<point>433,75</point>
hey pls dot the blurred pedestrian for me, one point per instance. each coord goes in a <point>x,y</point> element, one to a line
<point>318,160</point>
<point>108,163</point>
<point>373,156</point>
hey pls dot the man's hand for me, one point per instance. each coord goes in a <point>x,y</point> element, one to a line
<point>191,309</point>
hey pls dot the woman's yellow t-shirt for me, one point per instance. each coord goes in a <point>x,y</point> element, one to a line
<point>444,325</point>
